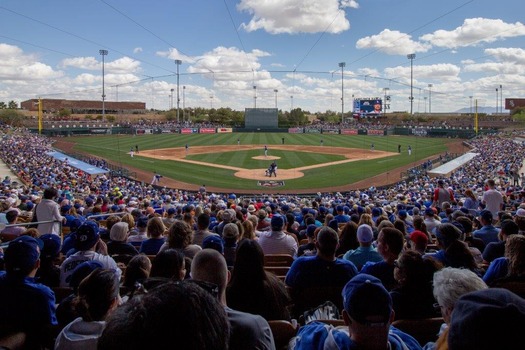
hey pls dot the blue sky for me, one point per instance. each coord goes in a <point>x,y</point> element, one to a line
<point>50,49</point>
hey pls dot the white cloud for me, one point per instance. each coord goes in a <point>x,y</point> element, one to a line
<point>474,31</point>
<point>443,71</point>
<point>392,42</point>
<point>137,50</point>
<point>118,66</point>
<point>508,54</point>
<point>296,16</point>
<point>15,65</point>
<point>174,54</point>
<point>87,63</point>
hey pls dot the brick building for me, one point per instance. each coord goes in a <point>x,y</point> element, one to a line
<point>84,107</point>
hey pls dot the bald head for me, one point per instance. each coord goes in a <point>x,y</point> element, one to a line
<point>210,266</point>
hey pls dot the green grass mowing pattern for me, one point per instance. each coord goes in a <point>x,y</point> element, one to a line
<point>116,148</point>
<point>244,159</point>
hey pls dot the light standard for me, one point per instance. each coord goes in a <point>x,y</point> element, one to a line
<point>276,91</point>
<point>255,96</point>
<point>387,98</point>
<point>425,98</point>
<point>291,104</point>
<point>103,53</point>
<point>342,65</point>
<point>470,97</point>
<point>501,99</point>
<point>171,101</point>
<point>183,102</point>
<point>411,58</point>
<point>430,98</point>
<point>497,98</point>
<point>178,63</point>
<point>211,102</point>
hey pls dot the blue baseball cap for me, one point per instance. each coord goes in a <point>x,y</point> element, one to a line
<point>213,242</point>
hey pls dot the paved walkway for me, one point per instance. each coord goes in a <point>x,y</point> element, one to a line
<point>5,171</point>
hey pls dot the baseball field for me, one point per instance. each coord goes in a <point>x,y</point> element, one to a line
<point>306,163</point>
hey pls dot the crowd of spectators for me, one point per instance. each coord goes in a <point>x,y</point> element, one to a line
<point>397,241</point>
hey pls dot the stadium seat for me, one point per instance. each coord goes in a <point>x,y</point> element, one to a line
<point>283,331</point>
<point>278,260</point>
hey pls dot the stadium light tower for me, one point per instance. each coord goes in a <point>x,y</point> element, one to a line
<point>291,104</point>
<point>497,99</point>
<point>103,53</point>
<point>342,65</point>
<point>171,99</point>
<point>385,101</point>
<point>470,97</point>
<point>501,98</point>
<point>255,96</point>
<point>183,102</point>
<point>276,91</point>
<point>411,58</point>
<point>430,98</point>
<point>178,63</point>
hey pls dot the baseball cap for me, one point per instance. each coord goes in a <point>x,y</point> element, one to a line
<point>365,296</point>
<point>278,221</point>
<point>429,212</point>
<point>171,211</point>
<point>376,211</point>
<point>75,224</point>
<point>365,233</point>
<point>87,235</point>
<point>251,208</point>
<point>213,242</point>
<point>310,229</point>
<point>82,271</point>
<point>52,244</point>
<point>520,212</point>
<point>486,215</point>
<point>478,316</point>
<point>419,238</point>
<point>402,213</point>
<point>22,254</point>
<point>142,221</point>
<point>226,215</point>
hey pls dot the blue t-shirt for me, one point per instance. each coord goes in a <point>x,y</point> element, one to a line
<point>381,270</point>
<point>497,269</point>
<point>318,335</point>
<point>312,271</point>
<point>151,246</point>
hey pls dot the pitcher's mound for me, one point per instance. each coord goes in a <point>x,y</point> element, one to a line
<point>266,158</point>
<point>259,174</point>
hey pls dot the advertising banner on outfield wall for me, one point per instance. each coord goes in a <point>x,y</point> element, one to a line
<point>375,132</point>
<point>419,132</point>
<point>144,131</point>
<point>99,131</point>
<point>189,131</point>
<point>207,130</point>
<point>295,130</point>
<point>330,131</point>
<point>348,131</point>
<point>311,131</point>
<point>221,130</point>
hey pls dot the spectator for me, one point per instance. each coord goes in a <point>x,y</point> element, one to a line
<point>449,284</point>
<point>118,244</point>
<point>49,272</point>
<point>155,230</point>
<point>478,316</point>
<point>413,298</point>
<point>347,238</point>
<point>98,295</point>
<point>137,271</point>
<point>487,233</point>
<point>136,237</point>
<point>492,199</point>
<point>11,232</point>
<point>365,252</point>
<point>203,222</point>
<point>247,331</point>
<point>511,266</point>
<point>248,230</point>
<point>496,250</point>
<point>87,238</point>
<point>254,290</point>
<point>180,236</point>
<point>418,241</point>
<point>168,265</point>
<point>390,243</point>
<point>276,241</point>
<point>172,312</point>
<point>230,234</point>
<point>309,248</point>
<point>368,315</point>
<point>48,210</point>
<point>27,306</point>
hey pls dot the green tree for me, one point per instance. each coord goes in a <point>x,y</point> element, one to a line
<point>12,105</point>
<point>3,105</point>
<point>110,118</point>
<point>64,113</point>
<point>171,115</point>
<point>11,117</point>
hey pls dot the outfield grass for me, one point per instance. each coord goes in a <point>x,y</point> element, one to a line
<point>116,148</point>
